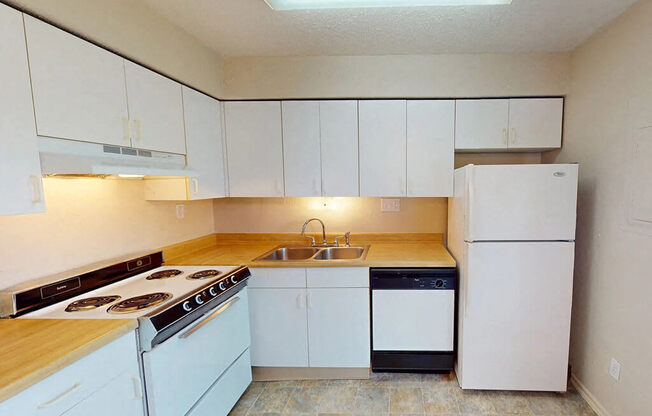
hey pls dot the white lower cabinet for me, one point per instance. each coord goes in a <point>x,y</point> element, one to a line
<point>95,384</point>
<point>320,322</point>
<point>279,335</point>
<point>338,327</point>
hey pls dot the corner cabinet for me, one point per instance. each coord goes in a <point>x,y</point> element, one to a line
<point>515,124</point>
<point>20,169</point>
<point>254,148</point>
<point>316,317</point>
<point>205,154</point>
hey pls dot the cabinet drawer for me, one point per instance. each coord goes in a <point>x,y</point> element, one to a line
<point>281,277</point>
<point>71,385</point>
<point>338,277</point>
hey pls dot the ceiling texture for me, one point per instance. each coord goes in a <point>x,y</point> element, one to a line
<point>251,28</point>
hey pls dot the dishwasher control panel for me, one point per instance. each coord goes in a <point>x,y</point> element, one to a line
<point>415,279</point>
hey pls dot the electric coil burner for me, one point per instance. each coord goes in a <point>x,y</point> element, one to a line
<point>91,303</point>
<point>139,302</point>
<point>164,274</point>
<point>204,274</point>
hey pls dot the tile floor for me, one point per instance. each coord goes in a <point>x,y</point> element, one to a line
<point>400,394</point>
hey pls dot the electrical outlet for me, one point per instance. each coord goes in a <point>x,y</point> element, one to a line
<point>390,205</point>
<point>180,209</point>
<point>614,369</point>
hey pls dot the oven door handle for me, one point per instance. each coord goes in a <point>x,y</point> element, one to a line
<point>210,317</point>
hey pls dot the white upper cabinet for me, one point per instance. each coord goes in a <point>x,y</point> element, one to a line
<point>79,88</point>
<point>254,148</point>
<point>20,170</point>
<point>301,148</point>
<point>430,147</point>
<point>509,124</point>
<point>382,147</point>
<point>338,123</point>
<point>205,145</point>
<point>155,110</point>
<point>481,124</point>
<point>535,123</point>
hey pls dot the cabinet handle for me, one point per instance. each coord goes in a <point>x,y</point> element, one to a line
<point>138,387</point>
<point>195,185</point>
<point>139,130</point>
<point>299,302</point>
<point>513,134</point>
<point>60,397</point>
<point>126,134</point>
<point>505,138</point>
<point>35,182</point>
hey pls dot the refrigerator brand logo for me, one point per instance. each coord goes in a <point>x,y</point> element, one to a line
<point>559,174</point>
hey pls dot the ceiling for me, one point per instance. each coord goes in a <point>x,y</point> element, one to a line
<point>251,28</point>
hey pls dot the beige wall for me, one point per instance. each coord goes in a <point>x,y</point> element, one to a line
<point>286,215</point>
<point>90,220</point>
<point>136,31</point>
<point>609,100</point>
<point>397,76</point>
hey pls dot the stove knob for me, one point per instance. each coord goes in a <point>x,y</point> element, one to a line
<point>199,299</point>
<point>439,283</point>
<point>222,286</point>
<point>186,306</point>
<point>212,291</point>
<point>233,280</point>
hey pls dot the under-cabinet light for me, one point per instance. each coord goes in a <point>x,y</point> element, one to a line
<point>128,175</point>
<point>354,4</point>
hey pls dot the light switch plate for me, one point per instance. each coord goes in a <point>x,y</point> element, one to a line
<point>390,205</point>
<point>614,369</point>
<point>180,211</point>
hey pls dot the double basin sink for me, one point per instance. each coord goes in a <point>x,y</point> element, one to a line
<point>317,254</point>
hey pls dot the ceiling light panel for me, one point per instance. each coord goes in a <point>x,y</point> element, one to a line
<point>354,4</point>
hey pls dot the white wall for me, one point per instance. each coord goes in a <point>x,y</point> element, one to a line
<point>136,31</point>
<point>397,76</point>
<point>90,220</point>
<point>609,99</point>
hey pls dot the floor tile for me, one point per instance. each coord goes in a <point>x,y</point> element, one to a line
<point>247,400</point>
<point>511,403</point>
<point>304,400</point>
<point>371,401</point>
<point>313,383</point>
<point>437,401</point>
<point>406,400</point>
<point>272,399</point>
<point>338,399</point>
<point>475,403</point>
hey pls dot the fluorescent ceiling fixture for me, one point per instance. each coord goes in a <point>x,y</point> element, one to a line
<point>354,4</point>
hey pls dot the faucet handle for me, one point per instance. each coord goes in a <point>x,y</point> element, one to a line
<point>345,237</point>
<point>312,240</point>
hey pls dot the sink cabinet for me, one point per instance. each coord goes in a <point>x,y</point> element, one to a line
<point>315,317</point>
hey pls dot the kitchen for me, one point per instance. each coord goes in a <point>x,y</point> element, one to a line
<point>316,118</point>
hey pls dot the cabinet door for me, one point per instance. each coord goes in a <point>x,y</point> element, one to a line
<point>382,148</point>
<point>155,110</point>
<point>430,147</point>
<point>203,121</point>
<point>122,396</point>
<point>20,170</point>
<point>79,88</point>
<point>338,327</point>
<point>481,124</point>
<point>254,148</point>
<point>279,335</point>
<point>535,123</point>
<point>338,123</point>
<point>301,148</point>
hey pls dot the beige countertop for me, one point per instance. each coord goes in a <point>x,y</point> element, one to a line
<point>33,349</point>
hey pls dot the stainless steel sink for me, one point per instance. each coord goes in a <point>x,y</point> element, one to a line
<point>321,254</point>
<point>340,253</point>
<point>289,253</point>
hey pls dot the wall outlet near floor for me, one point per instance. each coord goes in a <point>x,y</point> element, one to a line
<point>614,369</point>
<point>180,210</point>
<point>390,205</point>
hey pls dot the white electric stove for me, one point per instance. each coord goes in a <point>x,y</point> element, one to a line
<point>193,334</point>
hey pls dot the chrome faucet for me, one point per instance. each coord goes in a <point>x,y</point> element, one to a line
<point>323,231</point>
<point>345,237</point>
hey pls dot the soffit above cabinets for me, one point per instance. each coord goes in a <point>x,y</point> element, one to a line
<point>251,28</point>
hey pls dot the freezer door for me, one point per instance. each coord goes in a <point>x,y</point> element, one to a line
<point>521,203</point>
<point>515,316</point>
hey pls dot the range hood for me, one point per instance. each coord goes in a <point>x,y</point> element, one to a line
<point>70,157</point>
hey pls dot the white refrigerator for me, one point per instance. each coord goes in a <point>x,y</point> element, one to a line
<point>511,229</point>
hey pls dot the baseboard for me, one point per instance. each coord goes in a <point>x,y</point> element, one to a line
<point>308,373</point>
<point>589,397</point>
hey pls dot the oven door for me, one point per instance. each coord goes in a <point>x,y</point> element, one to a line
<point>182,368</point>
